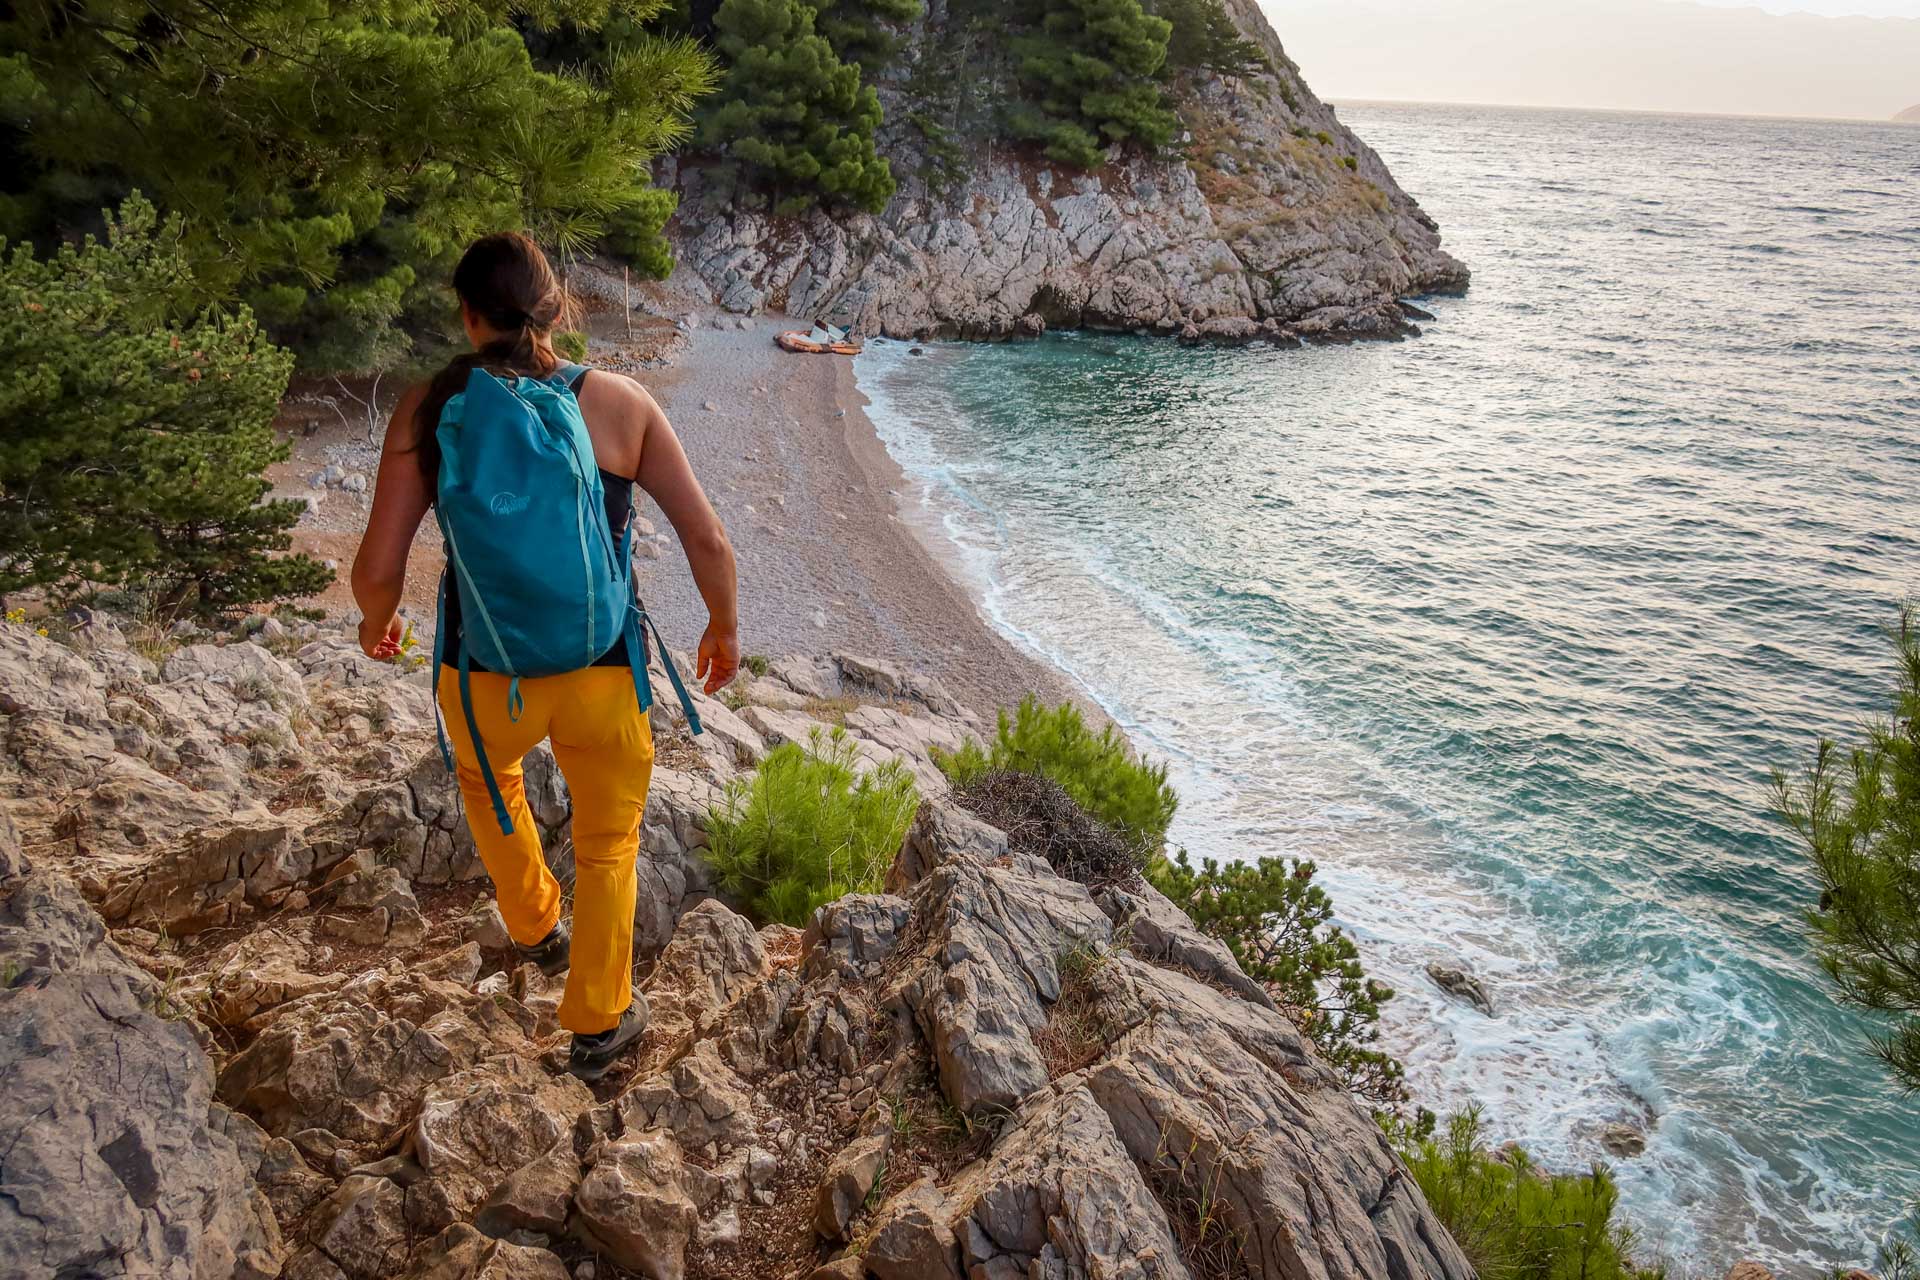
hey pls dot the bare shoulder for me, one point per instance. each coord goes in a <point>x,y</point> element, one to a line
<point>618,395</point>
<point>620,415</point>
<point>403,426</point>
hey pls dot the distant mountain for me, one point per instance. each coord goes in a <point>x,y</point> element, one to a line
<point>1910,116</point>
<point>1647,55</point>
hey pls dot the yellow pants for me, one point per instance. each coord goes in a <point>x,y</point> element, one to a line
<point>604,747</point>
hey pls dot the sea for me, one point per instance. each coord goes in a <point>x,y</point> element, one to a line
<point>1506,626</point>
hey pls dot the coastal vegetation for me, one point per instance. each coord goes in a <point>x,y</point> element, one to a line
<point>1097,770</point>
<point>1279,925</point>
<point>134,430</point>
<point>1513,1219</point>
<point>1857,812</point>
<point>328,172</point>
<point>808,826</point>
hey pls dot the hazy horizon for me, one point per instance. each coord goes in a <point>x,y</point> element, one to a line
<point>1853,59</point>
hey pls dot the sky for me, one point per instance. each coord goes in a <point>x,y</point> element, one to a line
<point>1843,58</point>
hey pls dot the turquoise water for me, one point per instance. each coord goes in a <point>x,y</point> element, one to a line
<point>1504,626</point>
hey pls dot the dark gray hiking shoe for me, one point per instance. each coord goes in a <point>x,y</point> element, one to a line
<point>592,1056</point>
<point>552,953</point>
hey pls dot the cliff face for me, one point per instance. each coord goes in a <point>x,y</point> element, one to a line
<point>263,1020</point>
<point>1276,221</point>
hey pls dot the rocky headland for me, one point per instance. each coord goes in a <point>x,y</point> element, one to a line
<point>1269,220</point>
<point>262,1019</point>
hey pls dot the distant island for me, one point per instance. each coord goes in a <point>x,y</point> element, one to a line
<point>1910,116</point>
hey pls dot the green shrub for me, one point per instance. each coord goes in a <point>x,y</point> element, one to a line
<point>1514,1221</point>
<point>805,828</point>
<point>134,430</point>
<point>1352,162</point>
<point>1128,795</point>
<point>1278,924</point>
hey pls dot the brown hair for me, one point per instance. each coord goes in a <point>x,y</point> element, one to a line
<point>507,281</point>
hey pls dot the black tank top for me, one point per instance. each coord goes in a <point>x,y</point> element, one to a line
<point>618,491</point>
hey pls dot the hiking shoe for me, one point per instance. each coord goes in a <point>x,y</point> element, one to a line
<point>552,953</point>
<point>592,1056</point>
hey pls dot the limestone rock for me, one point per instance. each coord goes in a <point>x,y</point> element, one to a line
<point>115,1148</point>
<point>478,1125</point>
<point>990,968</point>
<point>851,1176</point>
<point>1748,1270</point>
<point>356,1061</point>
<point>1059,1189</point>
<point>1457,982</point>
<point>1624,1140</point>
<point>262,971</point>
<point>699,1098</point>
<point>630,1206</point>
<point>913,1237</point>
<point>942,832</point>
<point>535,1197</point>
<point>461,1253</point>
<point>1157,930</point>
<point>854,935</point>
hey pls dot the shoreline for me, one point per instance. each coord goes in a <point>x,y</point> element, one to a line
<point>830,556</point>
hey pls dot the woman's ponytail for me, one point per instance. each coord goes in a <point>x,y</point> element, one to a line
<point>506,281</point>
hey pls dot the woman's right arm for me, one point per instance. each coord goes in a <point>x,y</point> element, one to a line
<point>400,501</point>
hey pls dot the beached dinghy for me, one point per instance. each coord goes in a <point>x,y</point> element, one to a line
<point>823,339</point>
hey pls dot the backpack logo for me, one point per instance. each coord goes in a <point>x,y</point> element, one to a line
<point>509,504</point>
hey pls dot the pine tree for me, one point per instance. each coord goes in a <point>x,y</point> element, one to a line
<point>134,431</point>
<point>792,113</point>
<point>1089,72</point>
<point>1858,813</point>
<point>331,160</point>
<point>861,31</point>
<point>1205,39</point>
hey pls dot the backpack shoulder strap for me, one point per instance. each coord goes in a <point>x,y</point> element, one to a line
<point>573,375</point>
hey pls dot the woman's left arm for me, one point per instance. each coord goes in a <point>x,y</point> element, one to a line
<point>400,501</point>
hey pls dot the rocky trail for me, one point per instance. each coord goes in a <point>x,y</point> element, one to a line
<point>261,1018</point>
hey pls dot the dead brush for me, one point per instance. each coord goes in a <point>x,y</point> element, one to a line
<point>1201,1219</point>
<point>1081,1025</point>
<point>1041,819</point>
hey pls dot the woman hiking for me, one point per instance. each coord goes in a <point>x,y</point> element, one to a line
<point>529,464</point>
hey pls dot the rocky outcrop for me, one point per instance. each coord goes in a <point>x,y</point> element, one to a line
<point>330,1066</point>
<point>118,1161</point>
<point>1276,223</point>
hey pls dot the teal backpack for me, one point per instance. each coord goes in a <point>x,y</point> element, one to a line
<point>543,590</point>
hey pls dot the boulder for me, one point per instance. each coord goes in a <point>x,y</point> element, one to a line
<point>850,1178</point>
<point>115,1151</point>
<point>980,985</point>
<point>854,935</point>
<point>631,1208</point>
<point>479,1125</point>
<point>1623,1140</point>
<point>941,832</point>
<point>699,1099</point>
<point>1155,929</point>
<point>1462,985</point>
<point>1748,1270</point>
<point>535,1197</point>
<point>355,1062</point>
<point>261,971</point>
<point>462,1253</point>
